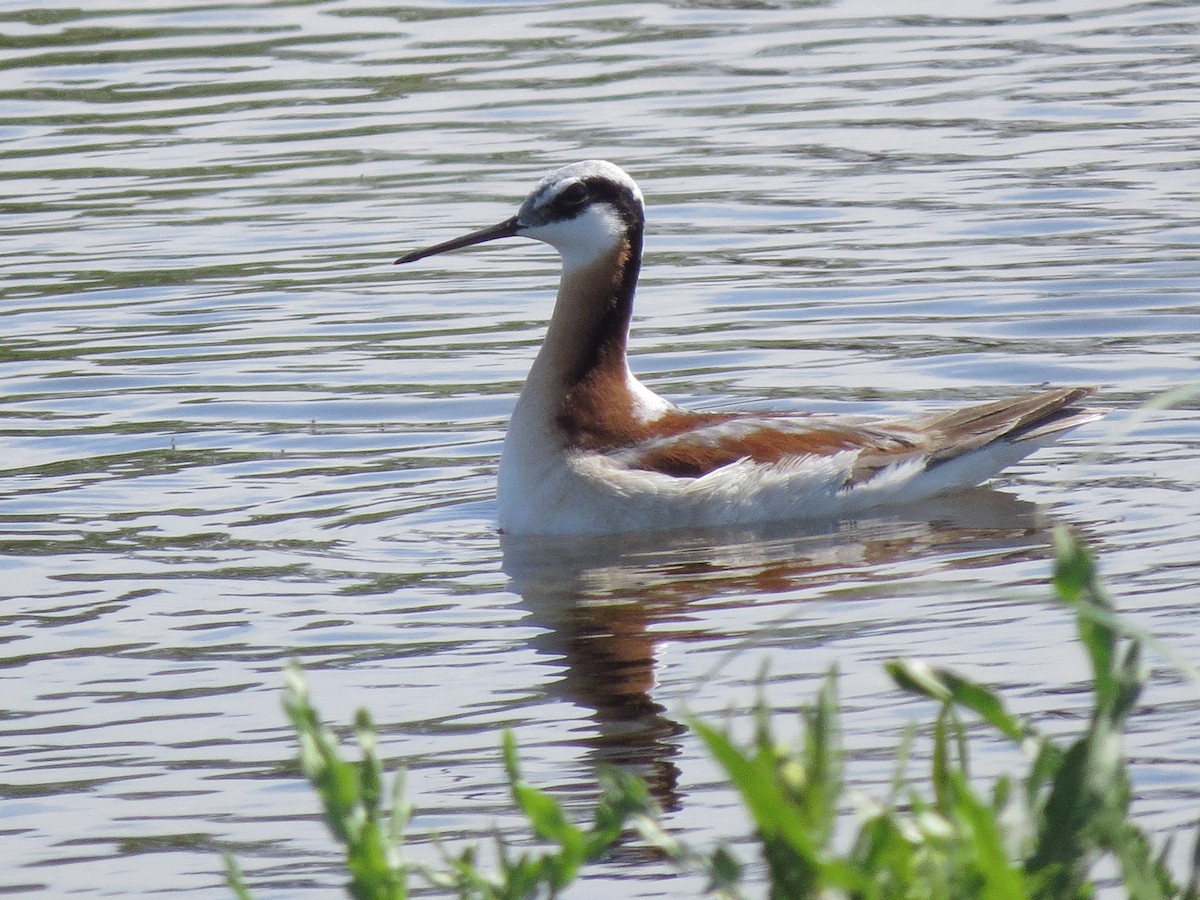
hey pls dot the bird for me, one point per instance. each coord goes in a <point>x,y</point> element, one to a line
<point>590,449</point>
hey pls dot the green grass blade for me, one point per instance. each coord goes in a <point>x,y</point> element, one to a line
<point>335,781</point>
<point>945,686</point>
<point>788,846</point>
<point>349,794</point>
<point>622,798</point>
<point>233,878</point>
<point>1001,879</point>
<point>544,813</point>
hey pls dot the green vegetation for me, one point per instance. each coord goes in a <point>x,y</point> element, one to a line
<point>1039,835</point>
<point>351,795</point>
<point>1036,836</point>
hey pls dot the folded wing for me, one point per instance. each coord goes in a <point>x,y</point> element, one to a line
<point>697,444</point>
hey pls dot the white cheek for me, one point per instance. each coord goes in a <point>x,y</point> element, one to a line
<point>591,234</point>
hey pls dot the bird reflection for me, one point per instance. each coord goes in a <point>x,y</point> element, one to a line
<point>600,598</point>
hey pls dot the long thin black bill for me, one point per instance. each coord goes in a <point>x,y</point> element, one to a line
<point>507,228</point>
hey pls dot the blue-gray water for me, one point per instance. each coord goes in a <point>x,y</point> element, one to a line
<point>231,433</point>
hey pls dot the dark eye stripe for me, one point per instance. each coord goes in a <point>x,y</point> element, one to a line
<point>563,203</point>
<point>573,194</point>
<point>603,190</point>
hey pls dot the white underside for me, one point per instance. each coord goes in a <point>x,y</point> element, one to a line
<point>547,491</point>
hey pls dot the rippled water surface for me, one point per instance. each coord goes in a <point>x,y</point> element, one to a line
<point>231,433</point>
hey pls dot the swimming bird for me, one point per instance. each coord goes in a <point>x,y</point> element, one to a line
<point>590,449</point>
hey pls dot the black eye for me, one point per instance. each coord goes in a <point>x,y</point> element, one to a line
<point>574,195</point>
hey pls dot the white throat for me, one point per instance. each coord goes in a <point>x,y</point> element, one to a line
<point>595,232</point>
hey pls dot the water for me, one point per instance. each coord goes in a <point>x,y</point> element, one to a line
<point>232,434</point>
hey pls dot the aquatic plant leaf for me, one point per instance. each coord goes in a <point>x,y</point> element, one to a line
<point>946,686</point>
<point>233,878</point>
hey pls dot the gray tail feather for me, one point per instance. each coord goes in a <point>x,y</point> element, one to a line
<point>1028,418</point>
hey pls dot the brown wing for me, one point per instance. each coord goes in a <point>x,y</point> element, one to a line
<point>699,447</point>
<point>688,445</point>
<point>598,415</point>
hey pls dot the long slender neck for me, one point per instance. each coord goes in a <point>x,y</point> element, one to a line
<point>589,328</point>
